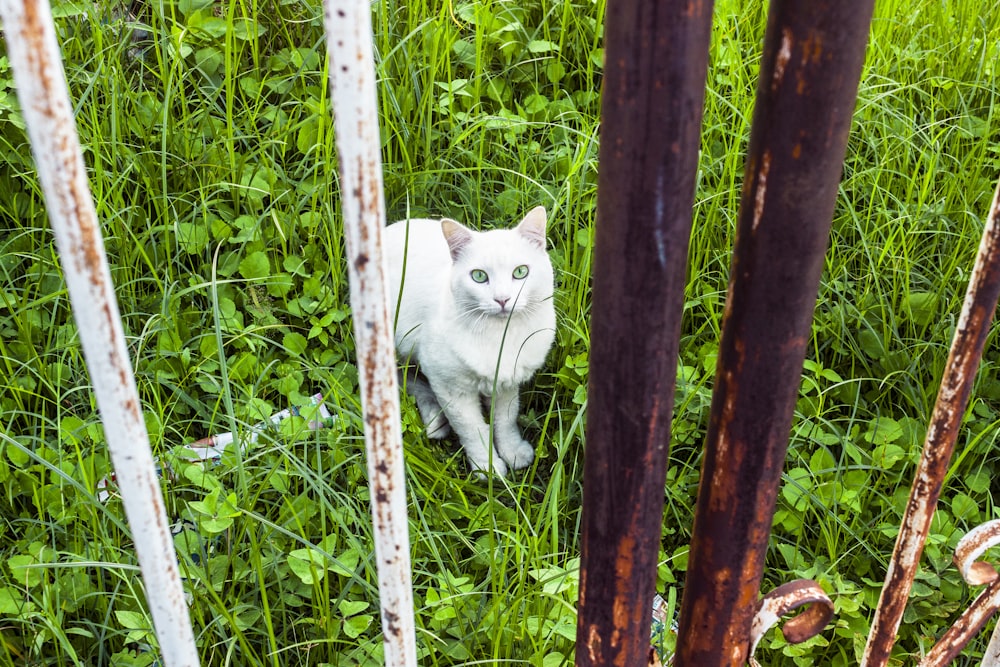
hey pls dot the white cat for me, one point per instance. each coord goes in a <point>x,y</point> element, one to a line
<point>476,315</point>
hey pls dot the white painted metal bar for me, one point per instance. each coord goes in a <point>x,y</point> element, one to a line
<point>966,351</point>
<point>355,110</point>
<point>992,656</point>
<point>41,88</point>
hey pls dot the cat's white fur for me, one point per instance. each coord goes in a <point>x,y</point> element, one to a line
<point>472,339</point>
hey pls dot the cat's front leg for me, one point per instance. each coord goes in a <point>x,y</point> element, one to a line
<point>515,450</point>
<point>464,413</point>
<point>427,403</point>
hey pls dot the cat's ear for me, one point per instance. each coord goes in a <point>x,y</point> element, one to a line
<point>533,227</point>
<point>457,235</point>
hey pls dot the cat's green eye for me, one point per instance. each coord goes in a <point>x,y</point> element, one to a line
<point>521,271</point>
<point>479,276</point>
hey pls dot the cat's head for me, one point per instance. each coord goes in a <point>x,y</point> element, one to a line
<point>500,272</point>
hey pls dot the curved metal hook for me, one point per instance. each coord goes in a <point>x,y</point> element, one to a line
<point>971,547</point>
<point>784,599</point>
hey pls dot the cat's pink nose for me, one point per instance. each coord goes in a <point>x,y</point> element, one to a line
<point>502,301</point>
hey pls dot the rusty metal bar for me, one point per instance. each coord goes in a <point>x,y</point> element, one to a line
<point>952,399</point>
<point>965,628</point>
<point>41,89</point>
<point>813,54</point>
<point>656,64</point>
<point>352,86</point>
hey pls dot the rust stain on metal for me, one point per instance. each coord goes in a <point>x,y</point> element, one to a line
<point>653,431</point>
<point>159,514</point>
<point>980,573</point>
<point>89,234</point>
<point>812,48</point>
<point>622,606</point>
<point>723,494</point>
<point>43,69</point>
<point>33,34</point>
<point>625,559</point>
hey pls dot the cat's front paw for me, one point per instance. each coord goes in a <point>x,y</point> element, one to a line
<point>438,427</point>
<point>481,465</point>
<point>519,456</point>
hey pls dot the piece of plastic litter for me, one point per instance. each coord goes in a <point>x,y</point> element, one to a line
<point>662,627</point>
<point>210,449</point>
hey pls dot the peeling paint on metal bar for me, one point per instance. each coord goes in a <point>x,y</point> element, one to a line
<point>952,399</point>
<point>41,88</point>
<point>352,85</point>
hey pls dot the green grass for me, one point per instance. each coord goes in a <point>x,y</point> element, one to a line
<point>214,172</point>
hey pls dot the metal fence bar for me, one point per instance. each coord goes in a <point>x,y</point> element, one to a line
<point>952,399</point>
<point>991,658</point>
<point>656,64</point>
<point>976,573</point>
<point>813,54</point>
<point>41,89</point>
<point>965,628</point>
<point>352,85</point>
